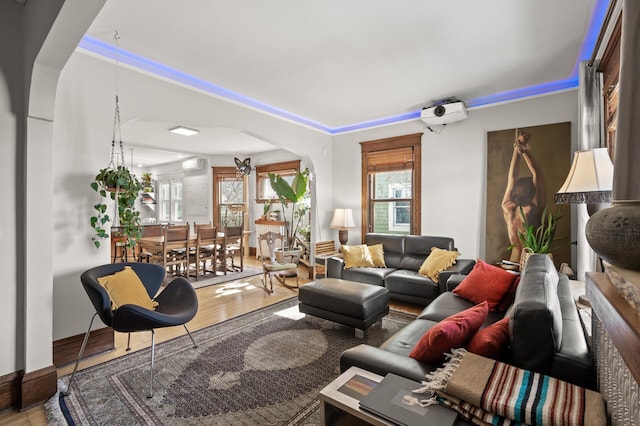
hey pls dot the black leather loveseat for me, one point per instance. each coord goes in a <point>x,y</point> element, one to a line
<point>545,331</point>
<point>403,256</point>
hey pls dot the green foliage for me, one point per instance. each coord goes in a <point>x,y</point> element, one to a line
<point>539,239</point>
<point>292,194</point>
<point>122,187</point>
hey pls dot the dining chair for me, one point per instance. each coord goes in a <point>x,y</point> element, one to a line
<point>205,250</point>
<point>233,247</point>
<point>177,304</point>
<point>175,250</point>
<point>270,266</point>
<point>149,231</point>
<point>197,226</point>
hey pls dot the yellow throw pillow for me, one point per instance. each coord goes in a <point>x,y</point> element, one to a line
<point>356,256</point>
<point>377,255</point>
<point>124,287</point>
<point>437,261</point>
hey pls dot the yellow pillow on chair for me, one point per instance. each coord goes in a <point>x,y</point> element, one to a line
<point>124,287</point>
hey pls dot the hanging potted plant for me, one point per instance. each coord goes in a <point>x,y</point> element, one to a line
<point>291,197</point>
<point>119,185</point>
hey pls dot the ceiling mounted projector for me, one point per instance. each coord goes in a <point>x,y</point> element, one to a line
<point>444,113</point>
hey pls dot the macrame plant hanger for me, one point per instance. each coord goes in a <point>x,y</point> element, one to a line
<point>116,161</point>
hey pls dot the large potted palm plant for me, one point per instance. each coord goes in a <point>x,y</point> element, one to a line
<point>291,196</point>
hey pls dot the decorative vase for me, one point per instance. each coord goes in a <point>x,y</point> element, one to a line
<point>614,234</point>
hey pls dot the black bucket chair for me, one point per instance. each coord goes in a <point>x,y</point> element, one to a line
<point>177,304</point>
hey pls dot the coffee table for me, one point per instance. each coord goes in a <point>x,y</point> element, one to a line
<point>339,408</point>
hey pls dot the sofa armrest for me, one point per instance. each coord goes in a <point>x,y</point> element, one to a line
<point>462,266</point>
<point>381,362</point>
<point>334,267</point>
<point>454,281</point>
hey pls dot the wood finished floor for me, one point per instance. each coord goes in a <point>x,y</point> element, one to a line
<point>216,303</point>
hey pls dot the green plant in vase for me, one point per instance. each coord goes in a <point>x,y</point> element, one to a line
<point>147,182</point>
<point>121,186</point>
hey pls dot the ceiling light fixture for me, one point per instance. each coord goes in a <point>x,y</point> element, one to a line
<point>184,131</point>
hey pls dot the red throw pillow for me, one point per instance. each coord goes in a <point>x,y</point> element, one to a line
<point>452,332</point>
<point>492,341</point>
<point>509,296</point>
<point>485,282</point>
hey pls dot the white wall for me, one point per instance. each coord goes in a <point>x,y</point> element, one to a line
<point>453,165</point>
<point>11,107</point>
<point>81,146</point>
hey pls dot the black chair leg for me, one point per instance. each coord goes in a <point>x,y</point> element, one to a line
<point>189,333</point>
<point>84,344</point>
<point>128,342</point>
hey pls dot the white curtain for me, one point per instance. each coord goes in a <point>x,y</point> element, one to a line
<point>626,177</point>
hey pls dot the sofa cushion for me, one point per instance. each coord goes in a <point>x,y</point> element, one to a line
<point>437,261</point>
<point>402,281</point>
<point>491,342</point>
<point>452,332</point>
<point>509,296</point>
<point>448,304</point>
<point>356,256</point>
<point>485,282</point>
<point>393,247</point>
<point>373,276</point>
<point>418,247</point>
<point>535,328</point>
<point>377,255</point>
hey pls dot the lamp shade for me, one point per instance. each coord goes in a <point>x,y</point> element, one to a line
<point>342,218</point>
<point>590,179</point>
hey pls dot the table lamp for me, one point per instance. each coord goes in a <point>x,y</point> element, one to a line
<point>343,219</point>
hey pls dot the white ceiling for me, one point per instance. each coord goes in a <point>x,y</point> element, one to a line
<point>344,62</point>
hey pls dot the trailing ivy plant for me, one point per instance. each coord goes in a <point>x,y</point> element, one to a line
<point>121,186</point>
<point>538,239</point>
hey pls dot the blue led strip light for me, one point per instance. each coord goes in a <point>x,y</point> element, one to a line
<point>107,50</point>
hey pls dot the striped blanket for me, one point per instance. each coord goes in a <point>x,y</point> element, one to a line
<point>488,392</point>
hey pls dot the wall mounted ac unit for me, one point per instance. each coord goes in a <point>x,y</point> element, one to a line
<point>193,164</point>
<point>444,113</point>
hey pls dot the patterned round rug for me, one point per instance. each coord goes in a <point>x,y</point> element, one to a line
<point>265,368</point>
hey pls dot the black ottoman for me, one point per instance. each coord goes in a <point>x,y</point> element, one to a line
<point>348,303</point>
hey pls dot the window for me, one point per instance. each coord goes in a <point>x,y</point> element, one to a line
<point>391,185</point>
<point>230,207</point>
<point>263,186</point>
<point>171,201</point>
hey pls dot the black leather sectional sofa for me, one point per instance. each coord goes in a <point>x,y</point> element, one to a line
<point>545,331</point>
<point>403,256</point>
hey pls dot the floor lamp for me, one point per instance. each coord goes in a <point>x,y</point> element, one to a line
<point>589,182</point>
<point>343,219</point>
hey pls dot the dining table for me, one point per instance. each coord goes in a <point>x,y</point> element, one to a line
<point>156,243</point>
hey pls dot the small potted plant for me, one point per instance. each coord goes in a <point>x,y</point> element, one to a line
<point>147,182</point>
<point>121,186</point>
<point>537,240</point>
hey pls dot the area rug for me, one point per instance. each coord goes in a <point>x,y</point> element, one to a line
<point>231,276</point>
<point>262,368</point>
